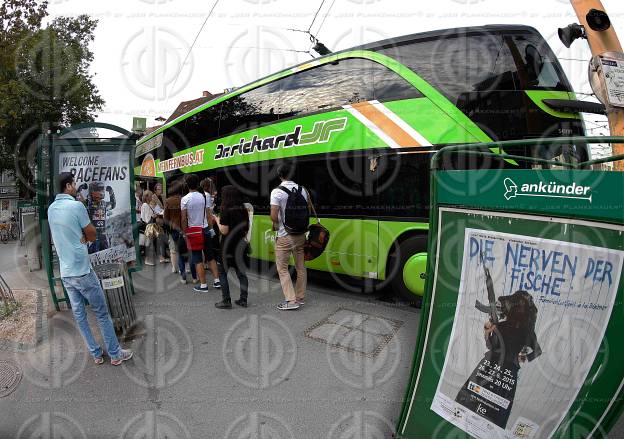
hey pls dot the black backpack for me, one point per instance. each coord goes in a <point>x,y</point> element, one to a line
<point>296,214</point>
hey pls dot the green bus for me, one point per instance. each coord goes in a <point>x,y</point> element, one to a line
<point>361,125</point>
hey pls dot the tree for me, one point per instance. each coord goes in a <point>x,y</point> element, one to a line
<point>44,77</point>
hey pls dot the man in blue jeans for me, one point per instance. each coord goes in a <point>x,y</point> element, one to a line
<point>71,230</point>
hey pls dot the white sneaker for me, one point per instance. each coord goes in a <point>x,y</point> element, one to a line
<point>183,281</point>
<point>286,306</point>
<point>125,355</point>
<point>174,270</point>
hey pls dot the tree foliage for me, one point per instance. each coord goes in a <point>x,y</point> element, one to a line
<point>44,76</point>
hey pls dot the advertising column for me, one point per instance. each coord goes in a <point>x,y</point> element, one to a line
<point>103,181</point>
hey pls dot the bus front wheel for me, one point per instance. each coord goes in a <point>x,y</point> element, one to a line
<point>408,268</point>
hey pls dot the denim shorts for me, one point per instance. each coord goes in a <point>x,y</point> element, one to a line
<point>208,253</point>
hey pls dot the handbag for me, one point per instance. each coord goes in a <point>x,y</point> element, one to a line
<point>317,238</point>
<point>195,235</point>
<point>194,238</point>
<point>153,231</point>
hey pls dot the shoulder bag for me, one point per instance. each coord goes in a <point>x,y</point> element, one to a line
<point>318,235</point>
<point>195,235</point>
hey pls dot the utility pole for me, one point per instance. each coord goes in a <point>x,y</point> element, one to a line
<point>601,42</point>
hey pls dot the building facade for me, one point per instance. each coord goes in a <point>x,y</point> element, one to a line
<point>8,195</point>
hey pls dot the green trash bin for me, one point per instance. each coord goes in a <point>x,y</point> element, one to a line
<point>117,286</point>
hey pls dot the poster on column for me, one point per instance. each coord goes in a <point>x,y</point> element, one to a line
<point>530,317</point>
<point>103,185</point>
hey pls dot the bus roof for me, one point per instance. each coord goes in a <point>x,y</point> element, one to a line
<point>376,45</point>
<point>450,32</point>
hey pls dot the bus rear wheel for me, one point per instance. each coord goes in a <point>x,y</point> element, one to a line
<point>408,267</point>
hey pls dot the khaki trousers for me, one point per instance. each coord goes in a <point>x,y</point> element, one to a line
<point>284,247</point>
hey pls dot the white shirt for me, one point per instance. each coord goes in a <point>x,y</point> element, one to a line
<point>146,212</point>
<point>279,198</point>
<point>195,205</point>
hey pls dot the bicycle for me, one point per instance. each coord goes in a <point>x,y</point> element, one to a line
<point>14,232</point>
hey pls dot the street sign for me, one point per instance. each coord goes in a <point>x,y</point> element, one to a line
<point>139,124</point>
<point>613,71</point>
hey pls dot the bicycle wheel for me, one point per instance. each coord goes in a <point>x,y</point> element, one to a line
<point>4,236</point>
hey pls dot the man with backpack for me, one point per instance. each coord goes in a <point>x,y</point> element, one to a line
<point>290,215</point>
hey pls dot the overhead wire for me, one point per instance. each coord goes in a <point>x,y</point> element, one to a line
<point>314,38</point>
<point>324,18</point>
<point>191,49</point>
<point>315,15</point>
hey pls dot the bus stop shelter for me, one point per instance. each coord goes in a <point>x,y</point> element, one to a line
<point>103,171</point>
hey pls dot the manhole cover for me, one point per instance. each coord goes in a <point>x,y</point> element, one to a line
<point>10,377</point>
<point>354,331</point>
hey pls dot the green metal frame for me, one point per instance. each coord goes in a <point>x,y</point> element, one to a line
<point>483,150</point>
<point>49,148</point>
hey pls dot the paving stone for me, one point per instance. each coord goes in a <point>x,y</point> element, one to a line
<point>363,342</point>
<point>329,333</point>
<point>378,326</point>
<point>347,318</point>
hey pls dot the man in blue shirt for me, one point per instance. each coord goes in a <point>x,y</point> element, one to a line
<point>71,230</point>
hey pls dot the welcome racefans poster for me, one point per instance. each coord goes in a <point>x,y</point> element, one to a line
<point>103,184</point>
<point>530,318</point>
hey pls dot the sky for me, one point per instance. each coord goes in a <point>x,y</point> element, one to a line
<point>144,67</point>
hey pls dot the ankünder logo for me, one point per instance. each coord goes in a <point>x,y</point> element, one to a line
<point>550,189</point>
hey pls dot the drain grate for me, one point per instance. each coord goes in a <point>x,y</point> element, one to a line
<point>10,377</point>
<point>354,331</point>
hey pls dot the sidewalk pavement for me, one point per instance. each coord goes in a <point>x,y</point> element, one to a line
<point>338,367</point>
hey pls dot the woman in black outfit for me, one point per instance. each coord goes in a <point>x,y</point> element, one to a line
<point>490,389</point>
<point>233,222</point>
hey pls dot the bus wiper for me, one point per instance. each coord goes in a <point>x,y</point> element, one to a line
<point>575,106</point>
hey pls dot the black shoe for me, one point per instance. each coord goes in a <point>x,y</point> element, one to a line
<point>224,305</point>
<point>241,302</point>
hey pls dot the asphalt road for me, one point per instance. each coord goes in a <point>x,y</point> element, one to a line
<point>336,368</point>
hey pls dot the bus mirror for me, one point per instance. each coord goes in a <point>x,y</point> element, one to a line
<point>571,32</point>
<point>598,20</point>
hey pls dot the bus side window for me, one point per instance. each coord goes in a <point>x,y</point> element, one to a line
<point>337,186</point>
<point>202,126</point>
<point>389,86</point>
<point>403,186</point>
<point>174,139</point>
<point>249,110</point>
<point>326,87</point>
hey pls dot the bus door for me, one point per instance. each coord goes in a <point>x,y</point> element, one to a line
<point>342,196</point>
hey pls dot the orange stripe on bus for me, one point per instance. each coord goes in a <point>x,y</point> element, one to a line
<point>385,124</point>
